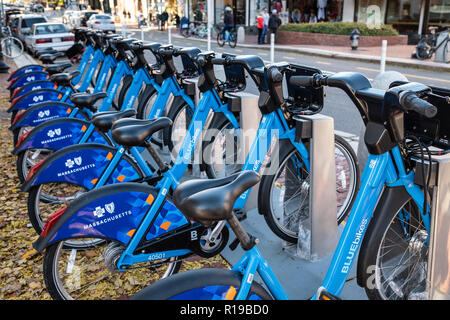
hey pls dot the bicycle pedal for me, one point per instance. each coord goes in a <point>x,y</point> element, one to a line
<point>233,245</point>
<point>240,214</point>
<point>325,295</point>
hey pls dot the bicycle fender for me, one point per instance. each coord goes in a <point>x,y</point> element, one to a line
<point>83,165</point>
<point>25,69</point>
<point>27,78</point>
<point>392,199</point>
<point>59,133</point>
<point>34,97</point>
<point>32,86</point>
<point>46,111</point>
<point>111,212</point>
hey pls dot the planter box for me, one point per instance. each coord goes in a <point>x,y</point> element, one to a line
<point>320,39</point>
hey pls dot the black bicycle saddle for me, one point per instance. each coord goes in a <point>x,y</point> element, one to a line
<point>210,200</point>
<point>104,120</point>
<point>64,79</point>
<point>87,100</point>
<point>136,134</point>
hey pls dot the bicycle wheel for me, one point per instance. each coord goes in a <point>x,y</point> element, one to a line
<point>232,39</point>
<point>393,261</point>
<point>283,196</point>
<point>221,150</point>
<point>220,39</point>
<point>91,273</point>
<point>202,284</point>
<point>28,158</point>
<point>12,47</point>
<point>173,135</point>
<point>423,50</point>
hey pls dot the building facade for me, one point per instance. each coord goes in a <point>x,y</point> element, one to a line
<point>407,16</point>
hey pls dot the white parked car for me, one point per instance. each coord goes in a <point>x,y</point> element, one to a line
<point>49,36</point>
<point>101,22</point>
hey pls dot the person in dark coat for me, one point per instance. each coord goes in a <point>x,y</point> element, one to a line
<point>228,21</point>
<point>274,23</point>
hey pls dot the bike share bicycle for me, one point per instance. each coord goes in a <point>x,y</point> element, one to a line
<point>153,229</point>
<point>428,45</point>
<point>390,205</point>
<point>59,175</point>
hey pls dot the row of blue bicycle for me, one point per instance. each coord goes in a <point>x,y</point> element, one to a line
<point>114,219</point>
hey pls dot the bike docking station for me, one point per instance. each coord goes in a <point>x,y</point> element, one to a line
<point>438,275</point>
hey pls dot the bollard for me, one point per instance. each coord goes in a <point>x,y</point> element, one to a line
<point>209,37</point>
<point>272,47</point>
<point>383,56</point>
<point>169,34</point>
<point>142,33</point>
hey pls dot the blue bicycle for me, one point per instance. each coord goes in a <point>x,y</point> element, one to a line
<point>230,38</point>
<point>389,221</point>
<point>144,232</point>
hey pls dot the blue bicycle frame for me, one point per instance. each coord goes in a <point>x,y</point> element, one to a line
<point>210,100</point>
<point>380,171</point>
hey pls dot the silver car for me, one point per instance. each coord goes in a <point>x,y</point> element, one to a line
<point>49,36</point>
<point>101,22</point>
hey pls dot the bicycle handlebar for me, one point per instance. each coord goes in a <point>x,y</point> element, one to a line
<point>410,101</point>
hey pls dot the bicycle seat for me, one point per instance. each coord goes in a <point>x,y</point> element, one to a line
<point>87,100</point>
<point>63,79</point>
<point>49,58</point>
<point>251,61</point>
<point>57,68</point>
<point>104,120</point>
<point>210,200</point>
<point>136,134</point>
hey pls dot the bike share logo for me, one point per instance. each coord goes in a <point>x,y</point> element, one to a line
<point>101,212</point>
<point>52,133</point>
<point>38,98</point>
<point>70,163</point>
<point>354,247</point>
<point>31,78</point>
<point>45,113</point>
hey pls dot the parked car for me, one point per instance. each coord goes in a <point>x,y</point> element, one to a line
<point>24,23</point>
<point>101,22</point>
<point>84,17</point>
<point>49,35</point>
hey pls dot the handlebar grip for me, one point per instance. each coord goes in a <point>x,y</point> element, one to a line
<point>218,61</point>
<point>302,81</point>
<point>410,101</point>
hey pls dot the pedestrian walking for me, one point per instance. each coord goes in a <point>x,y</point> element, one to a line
<point>274,23</point>
<point>260,26</point>
<point>164,18</point>
<point>266,17</point>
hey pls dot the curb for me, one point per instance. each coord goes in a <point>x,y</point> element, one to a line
<point>429,66</point>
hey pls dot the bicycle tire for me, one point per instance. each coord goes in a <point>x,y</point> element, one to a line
<point>220,40</point>
<point>8,43</point>
<point>265,205</point>
<point>56,287</point>
<point>202,284</point>
<point>385,227</point>
<point>233,42</point>
<point>174,114</point>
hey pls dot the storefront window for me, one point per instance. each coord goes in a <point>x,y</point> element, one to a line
<point>238,7</point>
<point>256,7</point>
<point>197,10</point>
<point>439,12</point>
<point>371,11</point>
<point>311,11</point>
<point>403,11</point>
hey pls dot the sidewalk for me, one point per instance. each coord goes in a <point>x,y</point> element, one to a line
<point>399,55</point>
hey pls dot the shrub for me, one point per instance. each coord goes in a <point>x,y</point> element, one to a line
<point>340,28</point>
